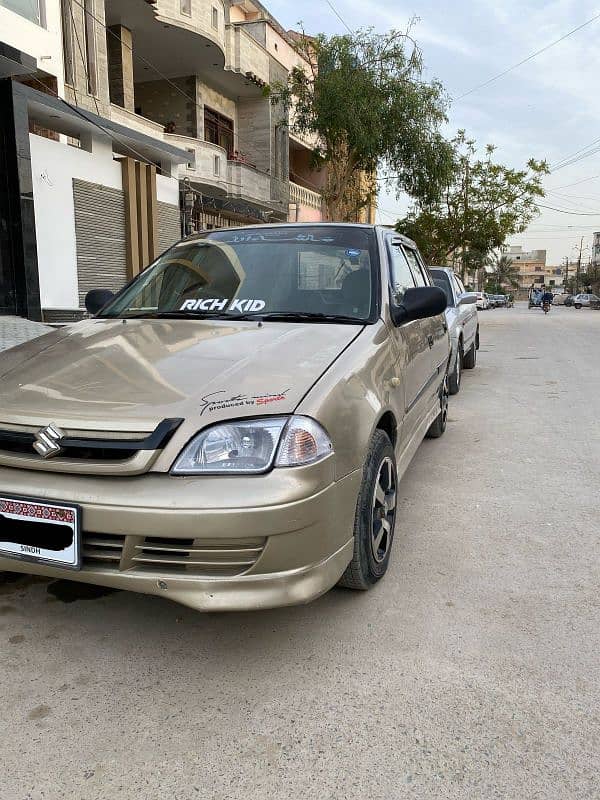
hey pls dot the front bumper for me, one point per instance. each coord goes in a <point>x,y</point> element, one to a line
<point>303,517</point>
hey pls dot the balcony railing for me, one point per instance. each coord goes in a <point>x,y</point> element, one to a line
<point>305,197</point>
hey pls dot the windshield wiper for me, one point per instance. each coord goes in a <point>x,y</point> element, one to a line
<point>276,316</point>
<point>309,316</point>
<point>185,314</point>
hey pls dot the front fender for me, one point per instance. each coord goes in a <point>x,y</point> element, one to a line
<point>362,385</point>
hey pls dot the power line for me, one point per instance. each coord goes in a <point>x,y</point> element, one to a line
<point>574,213</point>
<point>525,60</point>
<point>339,16</point>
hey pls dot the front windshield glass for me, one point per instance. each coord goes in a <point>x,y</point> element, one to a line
<point>283,271</point>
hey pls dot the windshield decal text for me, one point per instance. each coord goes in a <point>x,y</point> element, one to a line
<point>215,304</point>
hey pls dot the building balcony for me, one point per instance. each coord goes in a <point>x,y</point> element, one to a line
<point>205,18</point>
<point>207,167</point>
<point>246,57</point>
<point>247,182</point>
<point>305,197</point>
<point>138,123</point>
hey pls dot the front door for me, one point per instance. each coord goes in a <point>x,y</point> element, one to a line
<point>412,346</point>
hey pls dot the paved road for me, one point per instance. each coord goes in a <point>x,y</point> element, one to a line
<point>472,672</point>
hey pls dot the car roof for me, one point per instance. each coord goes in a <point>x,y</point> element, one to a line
<point>301,225</point>
<point>447,270</point>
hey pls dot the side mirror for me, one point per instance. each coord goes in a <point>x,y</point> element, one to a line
<point>96,299</point>
<point>419,303</point>
<point>466,298</point>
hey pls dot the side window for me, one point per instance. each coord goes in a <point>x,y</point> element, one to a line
<point>419,275</point>
<point>458,287</point>
<point>400,274</point>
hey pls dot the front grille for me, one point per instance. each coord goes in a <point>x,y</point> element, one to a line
<point>91,445</point>
<point>102,548</point>
<point>159,555</point>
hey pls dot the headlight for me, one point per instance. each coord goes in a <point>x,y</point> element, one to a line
<point>254,446</point>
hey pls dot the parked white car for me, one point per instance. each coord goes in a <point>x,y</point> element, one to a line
<point>586,300</point>
<point>483,301</point>
<point>463,324</point>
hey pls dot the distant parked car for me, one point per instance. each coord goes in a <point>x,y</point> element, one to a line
<point>483,301</point>
<point>569,301</point>
<point>463,324</point>
<point>500,300</point>
<point>581,300</point>
<point>563,299</point>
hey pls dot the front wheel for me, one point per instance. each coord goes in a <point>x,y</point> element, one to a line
<point>577,305</point>
<point>375,516</point>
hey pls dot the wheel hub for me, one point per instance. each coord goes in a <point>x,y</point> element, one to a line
<point>384,510</point>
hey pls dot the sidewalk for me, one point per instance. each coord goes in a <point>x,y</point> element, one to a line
<point>14,330</point>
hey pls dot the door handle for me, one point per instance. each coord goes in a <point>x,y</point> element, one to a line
<point>430,340</point>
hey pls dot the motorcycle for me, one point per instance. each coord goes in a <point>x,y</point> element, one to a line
<point>546,306</point>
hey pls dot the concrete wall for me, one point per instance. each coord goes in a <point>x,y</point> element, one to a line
<point>78,93</point>
<point>254,131</point>
<point>161,102</point>
<point>54,166</point>
<point>43,43</point>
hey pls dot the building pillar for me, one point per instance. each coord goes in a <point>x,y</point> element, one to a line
<point>19,277</point>
<point>141,214</point>
<point>119,43</point>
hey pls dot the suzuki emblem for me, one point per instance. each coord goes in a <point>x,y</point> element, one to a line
<point>47,441</point>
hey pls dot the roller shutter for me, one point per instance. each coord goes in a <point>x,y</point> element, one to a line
<point>100,237</point>
<point>169,226</point>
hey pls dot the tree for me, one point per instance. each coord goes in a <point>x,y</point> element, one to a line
<point>506,274</point>
<point>482,204</point>
<point>363,99</point>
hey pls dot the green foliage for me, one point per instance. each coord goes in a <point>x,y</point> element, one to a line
<point>506,273</point>
<point>480,207</point>
<point>364,100</point>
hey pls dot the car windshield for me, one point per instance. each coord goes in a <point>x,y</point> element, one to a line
<point>442,281</point>
<point>311,273</point>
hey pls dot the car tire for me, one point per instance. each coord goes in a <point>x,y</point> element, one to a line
<point>438,426</point>
<point>577,305</point>
<point>375,516</point>
<point>455,378</point>
<point>470,358</point>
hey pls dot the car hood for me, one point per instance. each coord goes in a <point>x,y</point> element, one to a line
<point>129,376</point>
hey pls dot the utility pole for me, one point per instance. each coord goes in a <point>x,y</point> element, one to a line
<point>578,275</point>
<point>566,280</point>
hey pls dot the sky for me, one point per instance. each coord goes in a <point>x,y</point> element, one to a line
<point>546,108</point>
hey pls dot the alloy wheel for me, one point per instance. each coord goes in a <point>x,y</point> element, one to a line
<point>384,510</point>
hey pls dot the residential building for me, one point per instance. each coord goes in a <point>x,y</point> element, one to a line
<point>133,123</point>
<point>531,265</point>
<point>85,200</point>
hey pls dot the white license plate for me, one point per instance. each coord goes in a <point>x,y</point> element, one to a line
<point>33,530</point>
